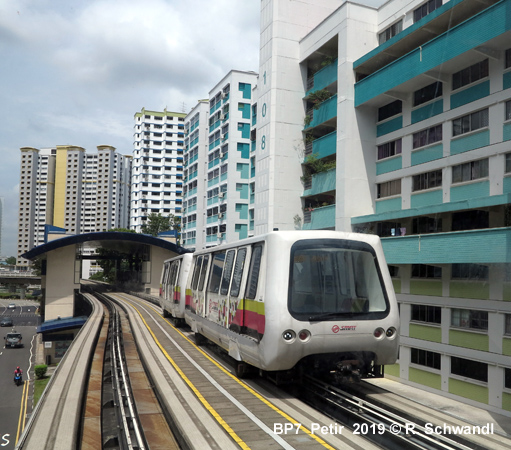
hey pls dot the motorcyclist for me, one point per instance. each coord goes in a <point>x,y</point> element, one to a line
<point>18,372</point>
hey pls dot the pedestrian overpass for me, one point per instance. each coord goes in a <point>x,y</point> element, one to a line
<point>134,262</point>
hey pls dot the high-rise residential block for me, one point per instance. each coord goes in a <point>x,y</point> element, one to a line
<point>396,120</point>
<point>67,188</point>
<point>157,180</point>
<point>223,161</point>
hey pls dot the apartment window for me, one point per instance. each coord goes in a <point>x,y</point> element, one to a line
<point>426,271</point>
<point>427,180</point>
<point>389,188</point>
<point>425,9</point>
<point>507,378</point>
<point>427,93</point>
<point>468,368</point>
<point>390,32</point>
<point>507,329</point>
<point>508,58</point>
<point>425,358</point>
<point>508,163</point>
<point>389,110</point>
<point>468,318</point>
<point>470,74</point>
<point>389,149</point>
<point>508,111</point>
<point>465,271</point>
<point>427,313</point>
<point>427,137</point>
<point>470,122</point>
<point>470,171</point>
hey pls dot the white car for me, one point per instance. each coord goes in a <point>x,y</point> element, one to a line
<point>11,306</point>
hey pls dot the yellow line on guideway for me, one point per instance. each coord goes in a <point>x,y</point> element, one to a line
<point>206,404</point>
<point>241,383</point>
<point>23,409</point>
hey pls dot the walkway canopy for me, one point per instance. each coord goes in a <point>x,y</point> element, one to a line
<point>132,261</point>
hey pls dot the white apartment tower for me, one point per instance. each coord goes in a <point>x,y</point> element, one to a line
<point>223,161</point>
<point>67,188</point>
<point>157,181</point>
<point>195,154</point>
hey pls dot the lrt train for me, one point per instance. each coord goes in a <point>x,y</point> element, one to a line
<point>288,301</point>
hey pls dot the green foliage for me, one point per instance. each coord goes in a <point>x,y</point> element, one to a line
<point>11,261</point>
<point>156,224</point>
<point>40,370</point>
<point>327,61</point>
<point>307,120</point>
<point>318,97</point>
<point>98,276</point>
<point>313,165</point>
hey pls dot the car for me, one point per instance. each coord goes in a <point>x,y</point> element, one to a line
<point>13,339</point>
<point>11,306</point>
<point>6,322</point>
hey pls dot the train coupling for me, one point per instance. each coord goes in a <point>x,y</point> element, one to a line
<point>348,371</point>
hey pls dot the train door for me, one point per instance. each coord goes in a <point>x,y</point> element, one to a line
<point>197,301</point>
<point>174,289</point>
<point>213,300</point>
<point>235,314</point>
<point>253,308</point>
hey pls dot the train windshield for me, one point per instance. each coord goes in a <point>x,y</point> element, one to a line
<point>335,279</point>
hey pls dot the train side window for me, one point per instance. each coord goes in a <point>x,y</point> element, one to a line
<point>238,272</point>
<point>196,271</point>
<point>226,276</point>
<point>165,276</point>
<point>253,273</point>
<point>215,275</point>
<point>203,271</point>
<point>175,272</point>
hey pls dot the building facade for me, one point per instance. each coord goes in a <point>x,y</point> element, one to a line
<point>67,188</point>
<point>396,120</point>
<point>157,182</point>
<point>223,161</point>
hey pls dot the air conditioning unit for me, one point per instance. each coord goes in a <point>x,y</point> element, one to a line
<point>224,95</point>
<point>221,195</point>
<point>220,235</point>
<point>221,215</point>
<point>222,116</point>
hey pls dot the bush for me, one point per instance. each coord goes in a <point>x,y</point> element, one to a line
<point>40,370</point>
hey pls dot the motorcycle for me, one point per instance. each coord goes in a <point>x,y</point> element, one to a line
<point>18,380</point>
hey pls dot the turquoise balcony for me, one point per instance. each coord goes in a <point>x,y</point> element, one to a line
<point>322,78</point>
<point>472,33</point>
<point>321,183</point>
<point>475,246</point>
<point>321,218</point>
<point>326,111</point>
<point>324,146</point>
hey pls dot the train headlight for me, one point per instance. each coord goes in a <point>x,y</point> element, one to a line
<point>379,333</point>
<point>289,336</point>
<point>391,332</point>
<point>304,335</point>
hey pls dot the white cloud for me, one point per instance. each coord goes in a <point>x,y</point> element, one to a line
<point>75,72</point>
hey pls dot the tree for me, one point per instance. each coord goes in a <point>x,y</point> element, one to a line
<point>11,260</point>
<point>156,224</point>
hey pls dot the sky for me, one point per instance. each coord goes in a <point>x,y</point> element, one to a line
<point>76,71</point>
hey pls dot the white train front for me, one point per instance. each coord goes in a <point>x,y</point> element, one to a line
<point>320,301</point>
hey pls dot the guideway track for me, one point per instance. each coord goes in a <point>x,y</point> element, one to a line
<point>210,406</point>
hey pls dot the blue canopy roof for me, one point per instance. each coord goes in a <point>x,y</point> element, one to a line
<point>62,324</point>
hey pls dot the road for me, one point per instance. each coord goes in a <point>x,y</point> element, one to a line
<point>16,401</point>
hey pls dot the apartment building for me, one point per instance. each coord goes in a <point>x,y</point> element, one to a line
<point>67,188</point>
<point>157,182</point>
<point>223,161</point>
<point>396,120</point>
<point>195,155</point>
